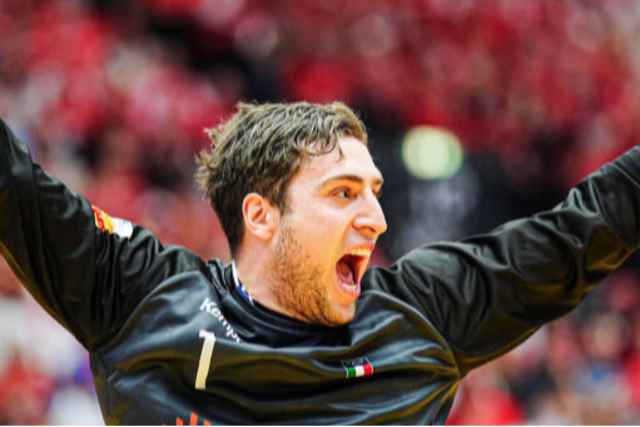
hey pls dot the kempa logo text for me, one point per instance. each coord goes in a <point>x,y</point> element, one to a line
<point>212,308</point>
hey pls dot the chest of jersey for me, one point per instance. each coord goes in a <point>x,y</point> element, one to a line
<point>189,355</point>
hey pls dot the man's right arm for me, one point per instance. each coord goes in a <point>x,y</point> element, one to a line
<point>85,274</point>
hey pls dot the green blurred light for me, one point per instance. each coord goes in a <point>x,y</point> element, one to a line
<point>430,152</point>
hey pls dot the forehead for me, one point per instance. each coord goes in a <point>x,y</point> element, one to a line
<point>353,158</point>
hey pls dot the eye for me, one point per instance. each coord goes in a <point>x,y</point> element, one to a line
<point>378,193</point>
<point>344,193</point>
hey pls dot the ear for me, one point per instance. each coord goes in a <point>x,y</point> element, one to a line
<point>261,218</point>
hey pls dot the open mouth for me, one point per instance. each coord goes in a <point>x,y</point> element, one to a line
<point>351,267</point>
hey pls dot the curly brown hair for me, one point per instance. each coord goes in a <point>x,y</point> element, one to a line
<point>261,148</point>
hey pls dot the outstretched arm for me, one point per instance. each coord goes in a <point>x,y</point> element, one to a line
<point>86,270</point>
<point>487,294</point>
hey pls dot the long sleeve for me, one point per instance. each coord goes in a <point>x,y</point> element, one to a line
<point>488,293</point>
<point>88,274</point>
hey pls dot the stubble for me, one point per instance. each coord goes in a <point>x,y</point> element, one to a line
<point>298,285</point>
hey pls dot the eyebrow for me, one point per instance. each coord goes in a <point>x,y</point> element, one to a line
<point>353,178</point>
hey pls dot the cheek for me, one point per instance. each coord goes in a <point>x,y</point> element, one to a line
<point>318,223</point>
<point>320,229</point>
<point>325,239</point>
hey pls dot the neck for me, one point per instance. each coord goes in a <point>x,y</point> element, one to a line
<point>254,274</point>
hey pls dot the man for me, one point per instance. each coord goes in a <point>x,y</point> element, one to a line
<point>294,330</point>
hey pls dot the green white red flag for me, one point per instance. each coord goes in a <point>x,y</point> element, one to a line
<point>359,367</point>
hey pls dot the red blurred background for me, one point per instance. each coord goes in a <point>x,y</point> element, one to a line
<point>112,97</point>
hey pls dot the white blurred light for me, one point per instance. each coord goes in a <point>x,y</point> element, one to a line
<point>430,152</point>
<point>73,405</point>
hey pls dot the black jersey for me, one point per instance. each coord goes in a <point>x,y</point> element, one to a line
<point>173,339</point>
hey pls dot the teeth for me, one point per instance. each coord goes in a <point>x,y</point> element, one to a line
<point>360,252</point>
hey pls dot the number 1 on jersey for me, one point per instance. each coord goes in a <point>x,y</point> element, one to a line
<point>205,358</point>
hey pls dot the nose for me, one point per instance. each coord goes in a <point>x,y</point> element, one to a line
<point>371,220</point>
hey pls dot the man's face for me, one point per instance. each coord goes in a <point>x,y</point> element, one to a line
<point>326,237</point>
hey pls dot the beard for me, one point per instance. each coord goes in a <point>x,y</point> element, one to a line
<point>298,282</point>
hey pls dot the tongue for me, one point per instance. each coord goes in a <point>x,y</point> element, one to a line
<point>344,271</point>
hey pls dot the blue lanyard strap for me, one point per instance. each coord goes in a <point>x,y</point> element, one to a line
<point>239,287</point>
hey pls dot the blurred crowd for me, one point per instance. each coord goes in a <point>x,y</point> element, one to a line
<point>112,97</point>
<point>582,369</point>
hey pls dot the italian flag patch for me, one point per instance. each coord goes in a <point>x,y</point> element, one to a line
<point>359,367</point>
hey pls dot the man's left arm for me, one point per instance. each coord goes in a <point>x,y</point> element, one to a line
<point>489,293</point>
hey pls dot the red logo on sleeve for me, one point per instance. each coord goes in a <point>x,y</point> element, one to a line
<point>116,226</point>
<point>102,220</point>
